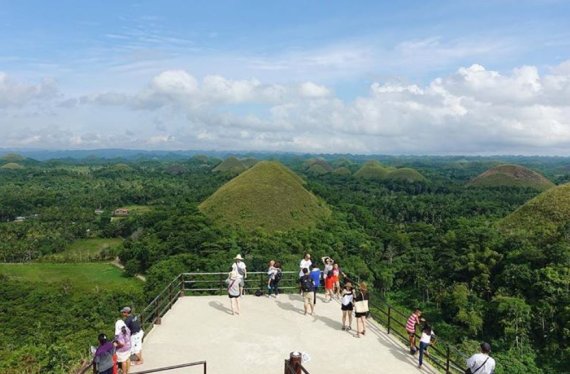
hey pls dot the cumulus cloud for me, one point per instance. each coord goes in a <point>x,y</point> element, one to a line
<point>471,110</point>
<point>17,94</point>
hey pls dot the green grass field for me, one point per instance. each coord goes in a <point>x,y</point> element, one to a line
<point>81,276</point>
<point>84,250</point>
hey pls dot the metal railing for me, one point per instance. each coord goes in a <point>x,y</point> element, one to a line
<point>442,355</point>
<point>209,283</point>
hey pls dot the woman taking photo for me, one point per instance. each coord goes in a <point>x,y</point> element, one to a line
<point>346,306</point>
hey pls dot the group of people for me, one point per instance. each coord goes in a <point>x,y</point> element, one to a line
<point>118,351</point>
<point>480,363</point>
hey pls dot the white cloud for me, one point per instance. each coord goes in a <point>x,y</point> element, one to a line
<point>472,110</point>
<point>16,94</point>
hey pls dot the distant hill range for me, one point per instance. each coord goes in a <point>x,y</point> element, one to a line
<point>374,170</point>
<point>232,165</point>
<point>511,176</point>
<point>268,196</point>
<point>545,214</point>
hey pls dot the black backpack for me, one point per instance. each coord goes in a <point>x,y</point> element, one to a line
<point>306,283</point>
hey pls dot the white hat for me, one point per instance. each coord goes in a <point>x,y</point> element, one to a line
<point>238,257</point>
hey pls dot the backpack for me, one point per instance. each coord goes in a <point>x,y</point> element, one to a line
<point>278,276</point>
<point>306,283</point>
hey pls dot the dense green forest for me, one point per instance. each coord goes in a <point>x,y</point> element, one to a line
<point>431,242</point>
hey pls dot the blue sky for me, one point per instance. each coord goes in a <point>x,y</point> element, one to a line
<point>433,77</point>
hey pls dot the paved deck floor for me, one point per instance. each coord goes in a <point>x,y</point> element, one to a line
<point>257,342</point>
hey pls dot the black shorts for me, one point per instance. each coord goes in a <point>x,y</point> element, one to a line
<point>232,296</point>
<point>358,315</point>
<point>346,307</point>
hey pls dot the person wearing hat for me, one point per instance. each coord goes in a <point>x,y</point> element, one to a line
<point>481,363</point>
<point>103,359</point>
<point>137,334</point>
<point>239,267</point>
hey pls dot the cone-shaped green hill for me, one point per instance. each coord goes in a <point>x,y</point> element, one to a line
<point>372,170</point>
<point>230,165</point>
<point>405,175</point>
<point>12,166</point>
<point>511,176</point>
<point>545,213</point>
<point>267,196</point>
<point>343,171</point>
<point>12,157</point>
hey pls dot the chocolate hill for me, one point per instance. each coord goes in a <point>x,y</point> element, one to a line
<point>511,176</point>
<point>268,196</point>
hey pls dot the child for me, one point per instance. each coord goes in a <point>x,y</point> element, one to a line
<point>425,341</point>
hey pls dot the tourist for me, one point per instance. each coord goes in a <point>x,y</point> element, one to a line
<point>123,344</point>
<point>276,278</point>
<point>103,362</point>
<point>328,277</point>
<point>425,341</point>
<point>271,271</point>
<point>239,267</point>
<point>137,334</point>
<point>361,309</point>
<point>234,291</point>
<point>308,291</point>
<point>336,277</point>
<point>413,321</point>
<point>316,277</point>
<point>481,363</point>
<point>346,305</point>
<point>305,264</point>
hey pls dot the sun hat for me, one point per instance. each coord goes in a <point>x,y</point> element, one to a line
<point>126,310</point>
<point>238,257</point>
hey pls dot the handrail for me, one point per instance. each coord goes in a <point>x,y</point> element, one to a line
<point>442,359</point>
<point>166,368</point>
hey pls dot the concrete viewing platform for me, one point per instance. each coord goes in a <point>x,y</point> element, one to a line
<point>202,328</point>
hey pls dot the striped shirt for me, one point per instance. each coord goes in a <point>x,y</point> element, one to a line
<point>412,322</point>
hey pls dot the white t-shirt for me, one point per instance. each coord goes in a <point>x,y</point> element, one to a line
<point>426,338</point>
<point>305,264</point>
<point>477,360</point>
<point>241,266</point>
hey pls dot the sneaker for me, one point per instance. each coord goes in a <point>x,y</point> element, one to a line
<point>343,328</point>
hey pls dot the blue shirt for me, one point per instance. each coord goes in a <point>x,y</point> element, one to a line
<point>316,277</point>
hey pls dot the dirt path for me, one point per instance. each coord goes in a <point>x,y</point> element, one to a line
<point>118,264</point>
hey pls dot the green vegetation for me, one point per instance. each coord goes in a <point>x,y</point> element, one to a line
<point>436,244</point>
<point>84,276</point>
<point>84,250</point>
<point>12,166</point>
<point>511,176</point>
<point>230,165</point>
<point>405,175</point>
<point>344,171</point>
<point>547,214</point>
<point>267,196</point>
<point>12,157</point>
<point>372,170</point>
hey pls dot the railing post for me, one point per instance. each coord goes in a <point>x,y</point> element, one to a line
<point>205,369</point>
<point>182,278</point>
<point>389,317</point>
<point>295,359</point>
<point>447,359</point>
<point>157,319</point>
<point>221,284</point>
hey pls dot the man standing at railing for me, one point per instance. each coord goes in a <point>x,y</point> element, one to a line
<point>239,267</point>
